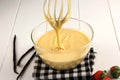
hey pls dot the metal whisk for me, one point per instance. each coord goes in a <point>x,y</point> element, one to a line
<point>56,22</point>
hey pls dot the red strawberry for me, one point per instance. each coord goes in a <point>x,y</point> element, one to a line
<point>115,71</point>
<point>97,75</point>
<point>107,78</point>
<point>100,75</point>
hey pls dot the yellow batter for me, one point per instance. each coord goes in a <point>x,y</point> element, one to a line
<point>71,42</point>
<point>61,48</point>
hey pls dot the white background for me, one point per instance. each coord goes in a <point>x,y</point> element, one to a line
<point>21,16</point>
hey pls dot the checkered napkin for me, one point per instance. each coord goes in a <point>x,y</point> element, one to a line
<point>82,72</point>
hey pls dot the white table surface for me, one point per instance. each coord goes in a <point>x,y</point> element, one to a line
<point>21,16</point>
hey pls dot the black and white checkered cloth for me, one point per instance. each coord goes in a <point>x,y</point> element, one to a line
<point>82,72</point>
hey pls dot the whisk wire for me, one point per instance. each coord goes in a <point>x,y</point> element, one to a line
<point>55,22</point>
<point>67,16</point>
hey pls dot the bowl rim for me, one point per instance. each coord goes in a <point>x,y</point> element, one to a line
<point>91,39</point>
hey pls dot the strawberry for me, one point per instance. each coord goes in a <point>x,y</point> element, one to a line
<point>115,71</point>
<point>106,78</point>
<point>100,75</point>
